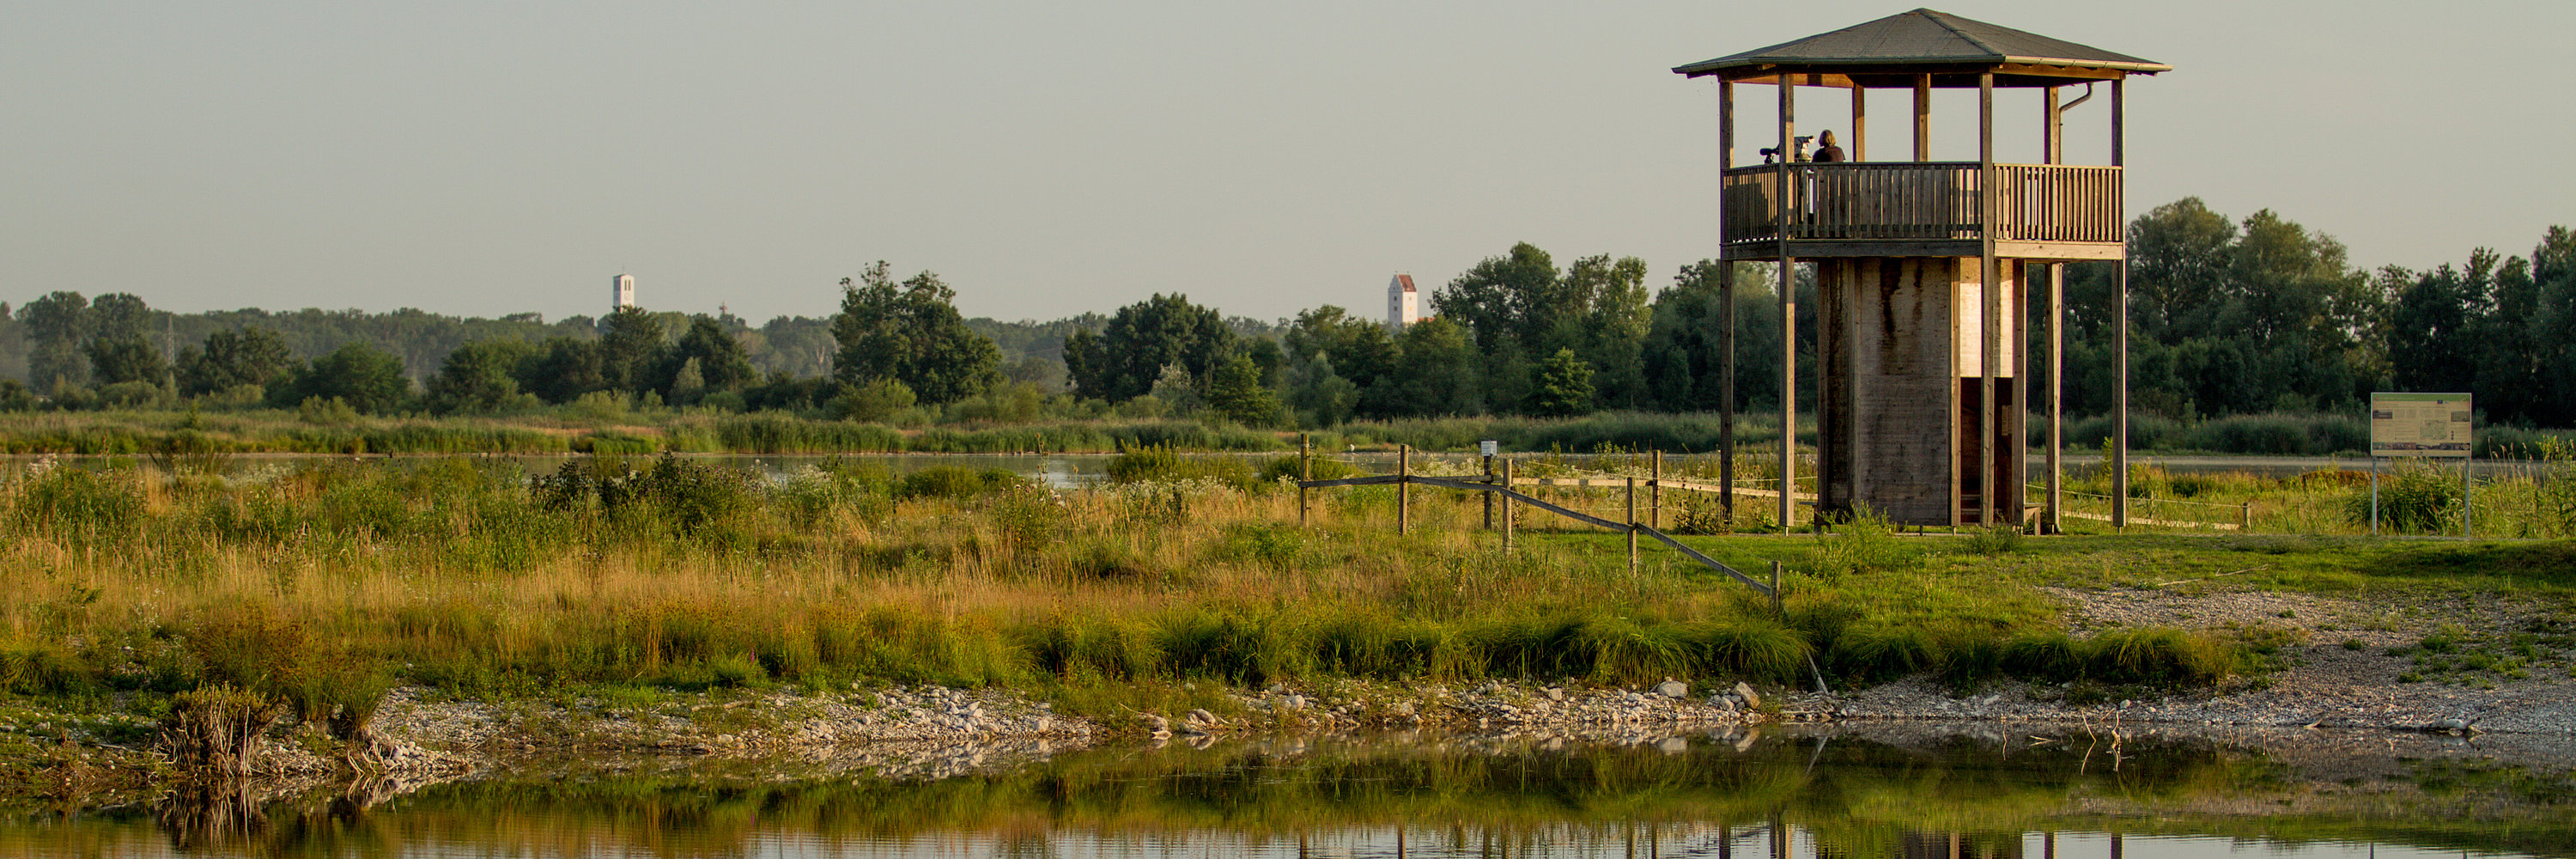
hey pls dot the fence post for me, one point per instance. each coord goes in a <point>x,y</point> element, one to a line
<point>2245,518</point>
<point>1507,505</point>
<point>1403,489</point>
<point>1655,492</point>
<point>1632,526</point>
<point>1305,472</point>
<point>1775,590</point>
<point>1489,497</point>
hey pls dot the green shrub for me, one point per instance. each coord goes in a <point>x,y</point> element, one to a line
<point>2414,498</point>
<point>30,667</point>
<point>1863,542</point>
<point>1165,465</point>
<point>1318,468</point>
<point>2158,657</point>
<point>81,505</point>
<point>1995,540</point>
<point>948,481</point>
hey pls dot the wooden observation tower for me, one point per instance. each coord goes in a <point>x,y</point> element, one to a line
<point>1924,372</point>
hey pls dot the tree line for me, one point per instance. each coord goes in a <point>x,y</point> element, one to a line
<point>2230,316</point>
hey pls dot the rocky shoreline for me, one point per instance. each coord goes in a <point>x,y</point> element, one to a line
<point>2342,670</point>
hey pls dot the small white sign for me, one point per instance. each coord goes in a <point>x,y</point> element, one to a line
<point>1489,447</point>
<point>2419,425</point>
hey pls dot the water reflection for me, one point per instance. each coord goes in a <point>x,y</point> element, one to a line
<point>1399,797</point>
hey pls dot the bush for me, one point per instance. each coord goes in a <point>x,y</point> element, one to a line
<point>1321,468</point>
<point>1165,465</point>
<point>2415,498</point>
<point>82,505</point>
<point>2280,434</point>
<point>2155,657</point>
<point>948,481</point>
<point>1863,542</point>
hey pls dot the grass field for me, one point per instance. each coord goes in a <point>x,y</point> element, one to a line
<point>323,584</point>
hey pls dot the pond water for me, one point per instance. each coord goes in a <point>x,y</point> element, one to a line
<point>1724,796</point>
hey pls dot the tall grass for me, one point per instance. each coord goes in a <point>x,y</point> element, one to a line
<point>320,585</point>
<point>616,432</point>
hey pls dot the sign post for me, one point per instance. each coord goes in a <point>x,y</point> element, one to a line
<point>2421,425</point>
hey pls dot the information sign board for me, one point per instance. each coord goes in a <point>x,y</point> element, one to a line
<point>2419,424</point>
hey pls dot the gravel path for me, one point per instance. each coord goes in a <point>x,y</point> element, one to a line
<point>2348,663</point>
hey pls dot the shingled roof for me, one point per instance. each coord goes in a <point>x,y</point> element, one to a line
<point>1928,40</point>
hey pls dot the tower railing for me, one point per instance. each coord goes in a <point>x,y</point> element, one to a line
<point>1920,201</point>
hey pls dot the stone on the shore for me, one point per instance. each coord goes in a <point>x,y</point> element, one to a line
<point>1554,693</point>
<point>1673,689</point>
<point>1744,691</point>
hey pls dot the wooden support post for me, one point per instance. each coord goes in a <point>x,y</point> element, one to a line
<point>1991,293</point>
<point>1726,390</point>
<point>1403,489</point>
<point>1655,492</point>
<point>1725,316</point>
<point>1305,472</point>
<point>1860,123</point>
<point>2016,443</point>
<point>2056,398</point>
<point>1632,525</point>
<point>1788,311</point>
<point>2245,517</point>
<point>1923,117</point>
<point>2049,128</point>
<point>2119,330</point>
<point>1507,505</point>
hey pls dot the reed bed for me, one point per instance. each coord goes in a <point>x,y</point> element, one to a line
<point>625,433</point>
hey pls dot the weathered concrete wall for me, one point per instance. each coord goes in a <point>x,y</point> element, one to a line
<point>1890,395</point>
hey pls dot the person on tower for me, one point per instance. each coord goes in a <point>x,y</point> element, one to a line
<point>1826,151</point>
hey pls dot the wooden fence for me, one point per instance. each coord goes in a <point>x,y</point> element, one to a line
<point>1499,486</point>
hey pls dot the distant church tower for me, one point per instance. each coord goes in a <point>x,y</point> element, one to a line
<point>621,292</point>
<point>1403,305</point>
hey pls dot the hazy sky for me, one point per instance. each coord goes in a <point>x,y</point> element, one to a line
<point>483,158</point>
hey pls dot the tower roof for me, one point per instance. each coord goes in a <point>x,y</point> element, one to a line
<point>1890,51</point>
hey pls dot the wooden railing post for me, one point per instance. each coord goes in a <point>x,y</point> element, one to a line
<point>1507,505</point>
<point>1403,489</point>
